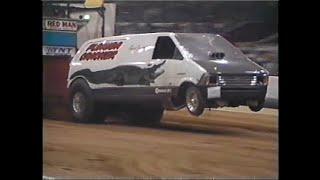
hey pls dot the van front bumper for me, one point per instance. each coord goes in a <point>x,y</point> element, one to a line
<point>236,94</point>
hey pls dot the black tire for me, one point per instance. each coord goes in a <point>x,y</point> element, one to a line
<point>145,116</point>
<point>87,110</point>
<point>258,107</point>
<point>195,101</point>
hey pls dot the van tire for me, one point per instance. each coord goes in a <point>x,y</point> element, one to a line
<point>258,107</point>
<point>195,101</point>
<point>82,105</point>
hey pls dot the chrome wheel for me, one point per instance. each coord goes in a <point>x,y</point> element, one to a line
<point>192,101</point>
<point>78,102</point>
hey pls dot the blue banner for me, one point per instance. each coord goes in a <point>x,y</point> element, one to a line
<point>52,38</point>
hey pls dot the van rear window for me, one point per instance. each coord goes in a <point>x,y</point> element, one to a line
<point>166,49</point>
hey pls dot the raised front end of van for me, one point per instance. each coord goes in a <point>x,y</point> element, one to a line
<point>231,79</point>
<point>236,89</point>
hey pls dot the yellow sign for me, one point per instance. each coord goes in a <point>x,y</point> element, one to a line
<point>93,3</point>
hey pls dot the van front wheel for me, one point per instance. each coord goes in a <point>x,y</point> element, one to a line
<point>258,106</point>
<point>194,101</point>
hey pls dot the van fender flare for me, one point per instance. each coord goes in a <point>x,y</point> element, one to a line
<point>76,78</point>
<point>177,100</point>
<point>187,80</point>
<point>184,84</point>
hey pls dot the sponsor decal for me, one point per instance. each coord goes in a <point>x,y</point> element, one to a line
<point>58,51</point>
<point>158,90</point>
<point>214,92</point>
<point>139,48</point>
<point>101,51</point>
<point>60,25</point>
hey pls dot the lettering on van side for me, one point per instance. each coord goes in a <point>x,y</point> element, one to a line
<point>101,51</point>
<point>158,90</point>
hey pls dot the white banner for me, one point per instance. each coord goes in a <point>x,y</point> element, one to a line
<point>60,25</point>
<point>58,51</point>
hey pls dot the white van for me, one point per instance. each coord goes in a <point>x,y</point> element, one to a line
<point>153,72</point>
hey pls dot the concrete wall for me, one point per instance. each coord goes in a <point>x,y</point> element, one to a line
<point>93,29</point>
<point>272,92</point>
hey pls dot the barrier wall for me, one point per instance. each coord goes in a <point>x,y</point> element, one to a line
<point>272,92</point>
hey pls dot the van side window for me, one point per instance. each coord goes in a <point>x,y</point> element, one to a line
<point>166,49</point>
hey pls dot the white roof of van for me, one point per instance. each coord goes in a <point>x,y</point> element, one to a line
<point>130,35</point>
<point>157,33</point>
<point>142,34</point>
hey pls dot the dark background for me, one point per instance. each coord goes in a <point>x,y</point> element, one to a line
<point>260,18</point>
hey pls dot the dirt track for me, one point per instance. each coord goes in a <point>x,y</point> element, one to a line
<point>219,143</point>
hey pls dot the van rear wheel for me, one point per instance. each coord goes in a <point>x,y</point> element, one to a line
<point>194,101</point>
<point>83,108</point>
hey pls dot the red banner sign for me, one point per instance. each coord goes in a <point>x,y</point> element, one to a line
<point>60,25</point>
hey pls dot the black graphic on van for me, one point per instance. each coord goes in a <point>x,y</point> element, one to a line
<point>123,75</point>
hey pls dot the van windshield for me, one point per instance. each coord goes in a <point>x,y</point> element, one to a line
<point>202,46</point>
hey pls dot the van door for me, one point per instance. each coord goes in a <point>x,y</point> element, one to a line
<point>174,67</point>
